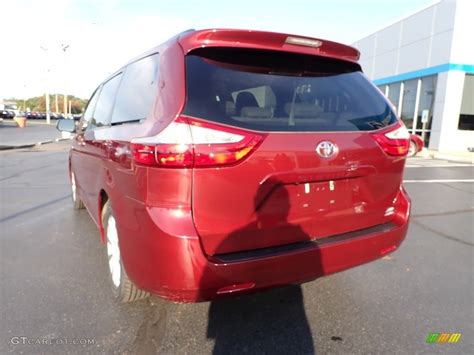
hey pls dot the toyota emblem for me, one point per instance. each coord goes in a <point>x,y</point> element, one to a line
<point>326,149</point>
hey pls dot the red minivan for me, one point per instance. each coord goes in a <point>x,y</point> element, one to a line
<point>228,161</point>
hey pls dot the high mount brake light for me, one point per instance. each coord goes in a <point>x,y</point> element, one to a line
<point>300,41</point>
<point>395,142</point>
<point>188,142</point>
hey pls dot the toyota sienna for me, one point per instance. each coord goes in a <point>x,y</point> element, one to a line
<point>228,161</point>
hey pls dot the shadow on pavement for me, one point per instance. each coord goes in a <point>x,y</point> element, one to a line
<point>273,323</point>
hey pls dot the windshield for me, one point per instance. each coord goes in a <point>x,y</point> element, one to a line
<point>282,92</point>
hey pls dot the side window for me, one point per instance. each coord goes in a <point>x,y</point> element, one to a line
<point>105,102</point>
<point>137,90</point>
<point>86,118</point>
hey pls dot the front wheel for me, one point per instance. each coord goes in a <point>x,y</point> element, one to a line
<point>124,290</point>
<point>413,149</point>
<point>76,200</point>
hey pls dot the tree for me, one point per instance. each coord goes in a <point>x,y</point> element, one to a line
<point>38,103</point>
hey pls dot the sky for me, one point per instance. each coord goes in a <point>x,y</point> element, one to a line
<point>72,45</point>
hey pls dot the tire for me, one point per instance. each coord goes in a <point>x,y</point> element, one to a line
<point>413,149</point>
<point>76,200</point>
<point>123,289</point>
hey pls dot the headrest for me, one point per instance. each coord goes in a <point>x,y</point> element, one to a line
<point>303,110</point>
<point>256,112</point>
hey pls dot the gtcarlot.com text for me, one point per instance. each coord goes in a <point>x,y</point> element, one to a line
<point>24,340</point>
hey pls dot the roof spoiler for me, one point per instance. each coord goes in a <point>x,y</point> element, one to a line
<point>191,39</point>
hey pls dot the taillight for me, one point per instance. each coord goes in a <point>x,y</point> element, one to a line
<point>394,142</point>
<point>188,142</point>
<point>172,147</point>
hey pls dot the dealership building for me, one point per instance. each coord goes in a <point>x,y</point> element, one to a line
<point>424,63</point>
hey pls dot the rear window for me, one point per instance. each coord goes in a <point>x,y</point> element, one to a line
<point>273,91</point>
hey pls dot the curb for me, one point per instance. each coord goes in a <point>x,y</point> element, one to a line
<point>31,145</point>
<point>454,158</point>
<point>30,122</point>
<point>433,154</point>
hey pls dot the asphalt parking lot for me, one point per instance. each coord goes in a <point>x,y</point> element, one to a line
<point>54,287</point>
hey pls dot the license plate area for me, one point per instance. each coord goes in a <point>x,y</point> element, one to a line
<point>320,197</point>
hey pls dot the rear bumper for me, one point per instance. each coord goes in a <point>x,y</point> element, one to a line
<point>171,263</point>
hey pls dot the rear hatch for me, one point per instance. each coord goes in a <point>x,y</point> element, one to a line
<point>319,160</point>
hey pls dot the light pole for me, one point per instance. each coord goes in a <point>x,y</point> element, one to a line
<point>46,95</point>
<point>24,97</point>
<point>64,47</point>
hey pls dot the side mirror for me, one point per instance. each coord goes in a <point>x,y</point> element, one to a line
<point>66,125</point>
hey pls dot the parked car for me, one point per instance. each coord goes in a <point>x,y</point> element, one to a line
<point>35,115</point>
<point>229,161</point>
<point>416,145</point>
<point>7,114</point>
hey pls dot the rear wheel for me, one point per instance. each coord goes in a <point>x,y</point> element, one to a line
<point>124,290</point>
<point>76,200</point>
<point>413,149</point>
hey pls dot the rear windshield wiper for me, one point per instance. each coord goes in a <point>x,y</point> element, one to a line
<point>129,121</point>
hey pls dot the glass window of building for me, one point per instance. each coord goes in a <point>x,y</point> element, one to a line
<point>409,101</point>
<point>394,93</point>
<point>382,88</point>
<point>427,96</point>
<point>425,107</point>
<point>466,118</point>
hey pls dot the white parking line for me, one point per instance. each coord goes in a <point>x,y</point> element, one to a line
<point>440,180</point>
